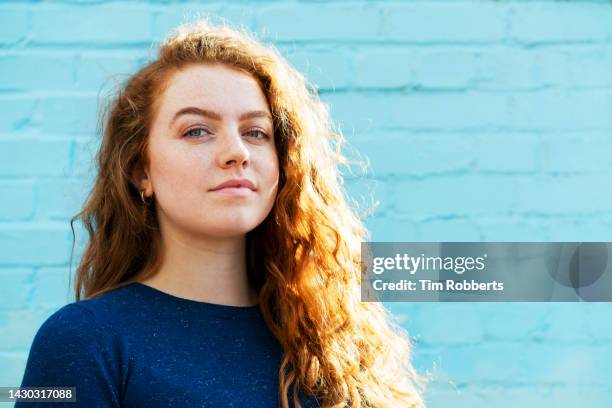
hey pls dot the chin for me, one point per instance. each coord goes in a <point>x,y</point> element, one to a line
<point>223,222</point>
<point>225,232</point>
<point>231,227</point>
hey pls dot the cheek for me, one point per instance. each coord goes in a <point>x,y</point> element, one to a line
<point>173,172</point>
<point>270,171</point>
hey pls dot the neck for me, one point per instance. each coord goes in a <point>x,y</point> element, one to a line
<point>211,270</point>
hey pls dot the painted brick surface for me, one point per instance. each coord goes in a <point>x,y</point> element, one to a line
<point>481,120</point>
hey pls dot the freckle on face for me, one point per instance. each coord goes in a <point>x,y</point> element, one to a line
<point>183,169</point>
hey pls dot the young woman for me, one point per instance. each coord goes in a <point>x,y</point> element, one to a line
<point>223,262</point>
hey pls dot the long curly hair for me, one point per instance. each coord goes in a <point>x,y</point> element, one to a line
<point>303,259</point>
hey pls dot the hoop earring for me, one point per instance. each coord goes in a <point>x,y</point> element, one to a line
<point>142,198</point>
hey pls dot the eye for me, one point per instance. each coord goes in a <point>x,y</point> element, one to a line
<point>257,131</point>
<point>191,132</point>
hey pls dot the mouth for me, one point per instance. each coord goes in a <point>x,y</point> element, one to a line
<point>236,183</point>
<point>234,191</point>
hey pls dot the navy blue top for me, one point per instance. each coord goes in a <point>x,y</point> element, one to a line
<point>137,346</point>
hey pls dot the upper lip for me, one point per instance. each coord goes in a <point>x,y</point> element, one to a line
<point>235,183</point>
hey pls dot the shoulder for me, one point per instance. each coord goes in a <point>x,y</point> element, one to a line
<point>91,321</point>
<point>68,316</point>
<point>73,325</point>
<point>104,311</point>
<point>71,348</point>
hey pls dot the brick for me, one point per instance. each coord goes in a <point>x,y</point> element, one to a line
<point>13,365</point>
<point>405,313</point>
<point>566,322</point>
<point>14,293</point>
<point>166,21</point>
<point>419,110</point>
<point>33,156</point>
<point>498,67</point>
<point>60,199</point>
<point>505,396</point>
<point>435,327</point>
<point>237,14</point>
<point>22,326</point>
<point>519,362</point>
<point>595,320</point>
<point>23,72</point>
<point>565,194</point>
<point>15,24</point>
<point>94,70</point>
<point>511,67</point>
<point>445,69</point>
<point>368,193</point>
<point>392,228</point>
<point>452,195</point>
<point>484,359</point>
<point>518,322</point>
<point>491,67</point>
<point>545,22</point>
<point>590,67</point>
<point>327,68</point>
<point>169,18</point>
<point>84,161</point>
<point>16,111</point>
<point>81,238</point>
<point>506,152</point>
<point>70,114</point>
<point>444,22</point>
<point>35,244</point>
<point>453,229</point>
<point>92,24</point>
<point>51,287</point>
<point>379,67</point>
<point>575,152</point>
<point>558,363</point>
<point>577,228</point>
<point>511,229</point>
<point>337,22</point>
<point>403,153</point>
<point>563,66</point>
<point>557,109</point>
<point>18,200</point>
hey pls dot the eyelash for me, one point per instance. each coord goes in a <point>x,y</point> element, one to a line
<point>265,135</point>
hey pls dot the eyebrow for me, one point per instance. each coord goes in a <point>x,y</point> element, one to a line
<point>192,110</point>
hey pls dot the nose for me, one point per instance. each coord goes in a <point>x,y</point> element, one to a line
<point>232,150</point>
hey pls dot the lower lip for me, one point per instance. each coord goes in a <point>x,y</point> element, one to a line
<point>235,191</point>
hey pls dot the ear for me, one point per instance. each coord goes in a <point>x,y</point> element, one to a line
<point>142,180</point>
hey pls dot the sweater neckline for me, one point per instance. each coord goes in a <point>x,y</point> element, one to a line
<point>214,309</point>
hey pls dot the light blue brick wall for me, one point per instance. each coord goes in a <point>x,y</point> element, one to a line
<point>482,120</point>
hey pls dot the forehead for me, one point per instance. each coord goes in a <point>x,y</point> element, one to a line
<point>212,86</point>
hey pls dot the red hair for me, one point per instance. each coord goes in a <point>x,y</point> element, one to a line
<point>303,259</point>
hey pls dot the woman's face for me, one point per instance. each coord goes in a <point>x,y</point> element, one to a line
<point>213,126</point>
